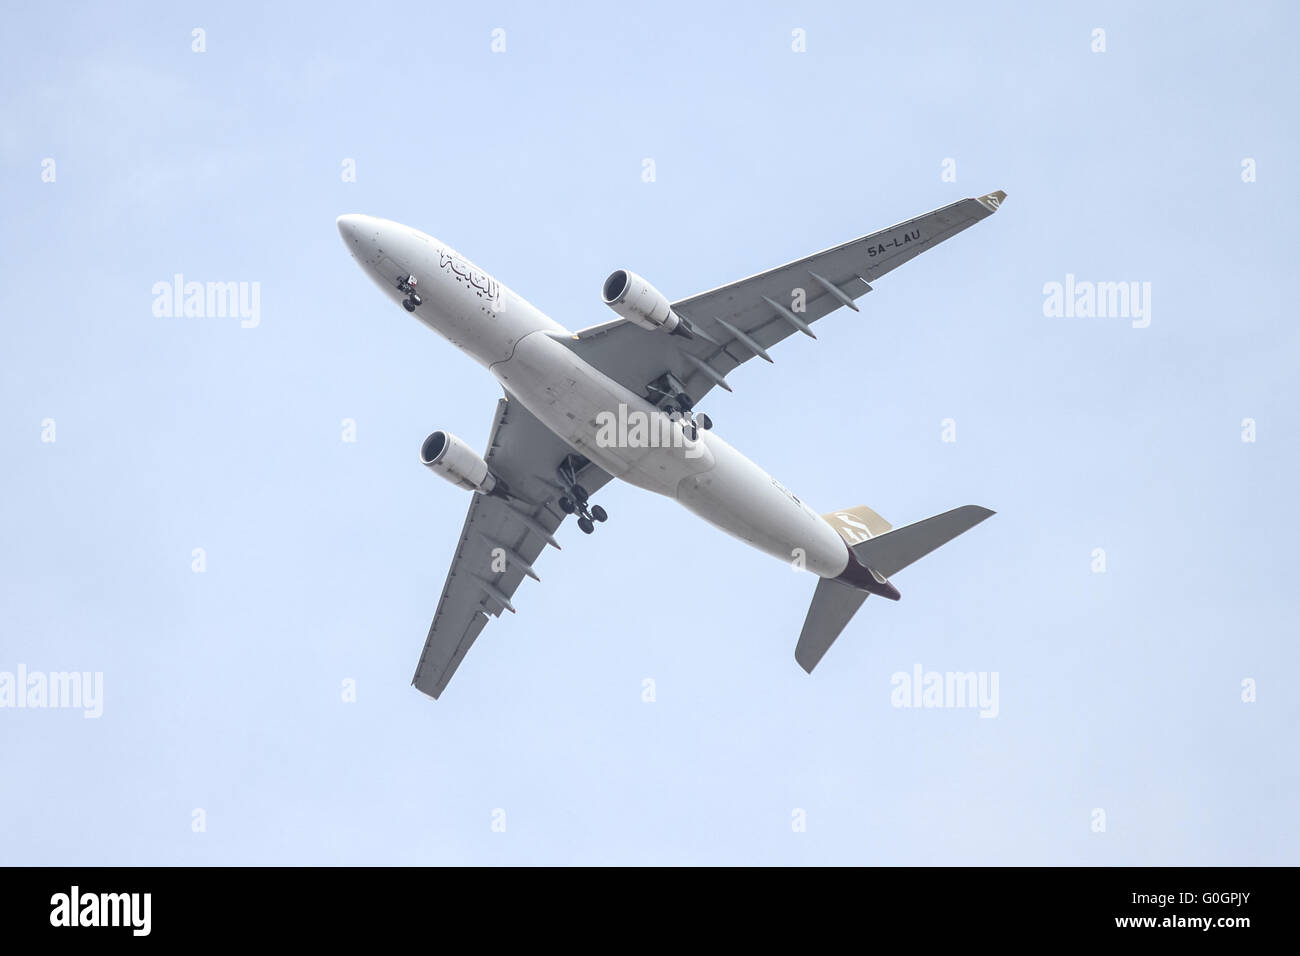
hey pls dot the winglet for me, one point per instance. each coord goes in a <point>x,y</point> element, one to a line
<point>992,201</point>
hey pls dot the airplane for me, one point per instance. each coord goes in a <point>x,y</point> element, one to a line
<point>618,400</point>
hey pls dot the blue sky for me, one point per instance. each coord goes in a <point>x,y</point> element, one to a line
<point>1119,691</point>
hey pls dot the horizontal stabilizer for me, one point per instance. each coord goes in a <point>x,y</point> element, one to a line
<point>833,605</point>
<point>889,553</point>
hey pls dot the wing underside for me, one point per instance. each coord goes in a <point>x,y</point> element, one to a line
<point>744,319</point>
<point>503,536</point>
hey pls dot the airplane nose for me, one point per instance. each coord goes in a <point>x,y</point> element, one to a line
<point>350,227</point>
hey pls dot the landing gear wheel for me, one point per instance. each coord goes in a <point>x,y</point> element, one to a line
<point>586,525</point>
<point>691,431</point>
<point>684,401</point>
<point>704,421</point>
<point>566,506</point>
<point>408,305</point>
<point>580,493</point>
<point>599,513</point>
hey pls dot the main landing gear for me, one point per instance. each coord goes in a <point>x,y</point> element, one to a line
<point>407,285</point>
<point>667,393</point>
<point>574,500</point>
<point>693,422</point>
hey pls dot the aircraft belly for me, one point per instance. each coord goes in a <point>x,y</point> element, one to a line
<point>573,399</point>
<point>742,499</point>
<point>708,476</point>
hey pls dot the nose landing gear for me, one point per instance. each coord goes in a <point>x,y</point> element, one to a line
<point>574,500</point>
<point>407,285</point>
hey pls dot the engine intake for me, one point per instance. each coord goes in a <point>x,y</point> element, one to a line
<point>639,302</point>
<point>448,457</point>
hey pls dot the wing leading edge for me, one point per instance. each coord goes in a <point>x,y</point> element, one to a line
<point>744,319</point>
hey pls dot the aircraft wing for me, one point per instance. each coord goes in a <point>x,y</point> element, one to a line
<point>501,540</point>
<point>739,321</point>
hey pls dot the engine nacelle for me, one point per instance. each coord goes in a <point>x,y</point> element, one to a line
<point>448,457</point>
<point>638,301</point>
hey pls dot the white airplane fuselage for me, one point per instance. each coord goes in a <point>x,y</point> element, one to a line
<point>525,350</point>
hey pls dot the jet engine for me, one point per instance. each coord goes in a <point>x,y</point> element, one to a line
<point>639,302</point>
<point>448,457</point>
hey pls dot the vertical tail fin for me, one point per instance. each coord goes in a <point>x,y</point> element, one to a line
<point>857,524</point>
